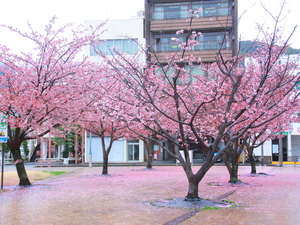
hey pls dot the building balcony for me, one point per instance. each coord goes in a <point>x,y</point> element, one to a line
<point>202,46</point>
<point>205,55</point>
<point>208,23</point>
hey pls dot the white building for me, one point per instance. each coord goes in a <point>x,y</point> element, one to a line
<point>290,147</point>
<point>122,150</point>
<point>126,35</point>
<point>291,139</point>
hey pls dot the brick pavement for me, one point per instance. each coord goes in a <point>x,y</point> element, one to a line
<point>83,196</point>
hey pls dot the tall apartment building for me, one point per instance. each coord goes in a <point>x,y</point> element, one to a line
<point>216,20</point>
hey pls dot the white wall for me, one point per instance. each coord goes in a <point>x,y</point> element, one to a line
<point>118,29</point>
<point>293,153</point>
<point>295,148</point>
<point>116,154</point>
<point>267,149</point>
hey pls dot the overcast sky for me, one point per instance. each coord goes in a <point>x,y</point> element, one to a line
<point>38,12</point>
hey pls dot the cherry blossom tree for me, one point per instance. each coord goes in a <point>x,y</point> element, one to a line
<point>109,130</point>
<point>228,101</point>
<point>254,138</point>
<point>42,90</point>
<point>215,109</point>
<point>267,132</point>
<point>266,63</point>
<point>254,141</point>
<point>266,59</point>
<point>105,116</point>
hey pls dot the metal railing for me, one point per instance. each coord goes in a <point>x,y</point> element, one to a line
<point>203,46</point>
<point>50,161</point>
<point>185,14</point>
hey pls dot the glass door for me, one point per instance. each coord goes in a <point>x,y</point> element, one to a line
<point>133,151</point>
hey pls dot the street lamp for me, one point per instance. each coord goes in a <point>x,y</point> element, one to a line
<point>90,158</point>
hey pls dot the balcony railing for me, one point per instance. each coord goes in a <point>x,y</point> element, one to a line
<point>177,14</point>
<point>212,45</point>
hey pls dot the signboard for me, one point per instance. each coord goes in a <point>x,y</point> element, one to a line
<point>282,133</point>
<point>296,129</point>
<point>3,139</point>
<point>3,129</point>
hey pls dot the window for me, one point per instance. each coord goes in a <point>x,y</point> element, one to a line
<point>186,75</point>
<point>167,42</point>
<point>209,41</point>
<point>213,41</point>
<point>215,8</point>
<point>171,11</point>
<point>108,47</point>
<point>167,11</point>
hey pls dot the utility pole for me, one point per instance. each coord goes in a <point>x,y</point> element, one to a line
<point>262,154</point>
<point>90,159</point>
<point>2,166</point>
<point>3,139</point>
<point>280,152</point>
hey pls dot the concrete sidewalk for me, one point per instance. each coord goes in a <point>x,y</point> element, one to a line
<point>83,196</point>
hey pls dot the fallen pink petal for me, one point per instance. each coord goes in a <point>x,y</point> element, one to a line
<point>135,195</point>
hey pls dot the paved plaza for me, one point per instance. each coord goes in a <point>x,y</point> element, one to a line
<point>84,196</point>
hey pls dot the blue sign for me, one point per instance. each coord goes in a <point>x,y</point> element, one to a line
<point>3,139</point>
<point>3,129</point>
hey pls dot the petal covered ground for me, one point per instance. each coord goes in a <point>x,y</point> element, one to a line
<point>83,196</point>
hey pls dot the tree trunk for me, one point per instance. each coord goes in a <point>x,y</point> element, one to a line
<point>24,181</point>
<point>252,163</point>
<point>14,142</point>
<point>231,162</point>
<point>194,179</point>
<point>251,159</point>
<point>225,159</point>
<point>23,178</point>
<point>149,161</point>
<point>105,152</point>
<point>192,194</point>
<point>234,172</point>
<point>105,163</point>
<point>149,153</point>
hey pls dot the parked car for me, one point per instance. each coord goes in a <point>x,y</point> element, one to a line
<point>219,159</point>
<point>255,158</point>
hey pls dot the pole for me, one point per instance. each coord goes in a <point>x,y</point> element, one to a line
<point>41,151</point>
<point>83,136</point>
<point>262,154</point>
<point>280,152</point>
<point>49,149</point>
<point>2,166</point>
<point>90,158</point>
<point>76,147</point>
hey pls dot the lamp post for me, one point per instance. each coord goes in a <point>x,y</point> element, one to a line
<point>3,139</point>
<point>262,154</point>
<point>90,158</point>
<point>280,152</point>
<point>2,166</point>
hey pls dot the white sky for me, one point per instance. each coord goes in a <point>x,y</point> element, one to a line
<point>256,14</point>
<point>38,12</point>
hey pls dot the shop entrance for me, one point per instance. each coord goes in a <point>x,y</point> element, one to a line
<point>275,149</point>
<point>133,151</point>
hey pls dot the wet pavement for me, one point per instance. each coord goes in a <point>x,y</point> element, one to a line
<point>84,196</point>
